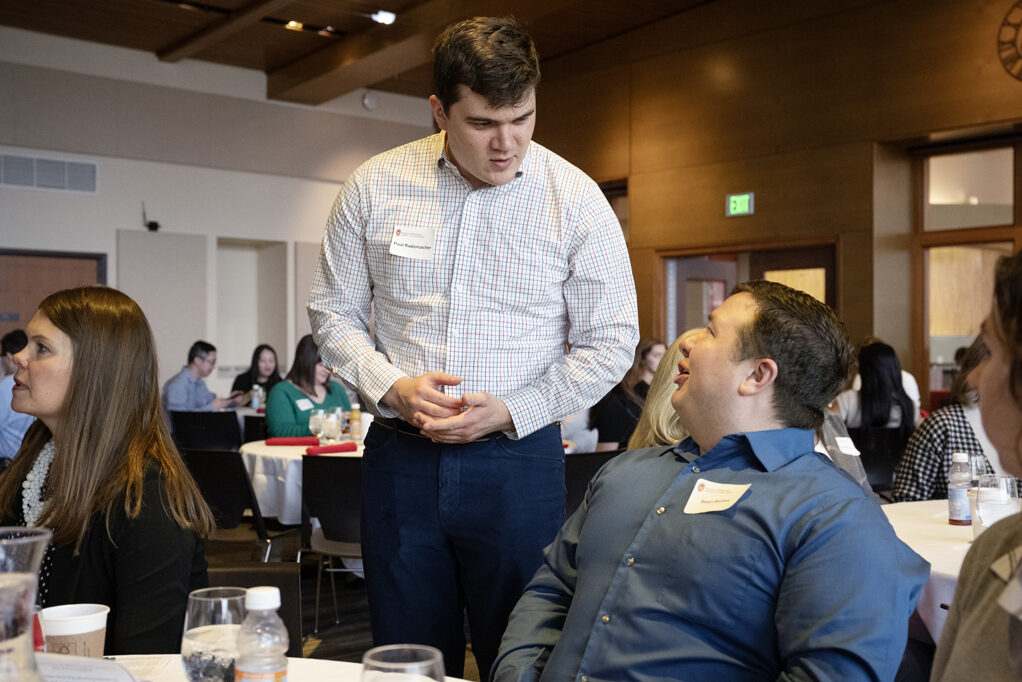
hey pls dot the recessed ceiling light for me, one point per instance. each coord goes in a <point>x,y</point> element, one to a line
<point>294,25</point>
<point>383,17</point>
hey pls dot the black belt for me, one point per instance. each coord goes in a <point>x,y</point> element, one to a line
<point>401,426</point>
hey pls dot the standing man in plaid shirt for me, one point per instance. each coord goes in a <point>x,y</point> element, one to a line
<point>480,253</point>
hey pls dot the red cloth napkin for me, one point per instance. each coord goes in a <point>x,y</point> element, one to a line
<point>300,440</point>
<point>261,410</point>
<point>339,447</point>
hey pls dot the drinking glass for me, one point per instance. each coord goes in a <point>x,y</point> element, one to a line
<point>212,622</point>
<point>402,663</point>
<point>331,426</point>
<point>996,498</point>
<point>977,464</point>
<point>21,551</point>
<point>316,423</point>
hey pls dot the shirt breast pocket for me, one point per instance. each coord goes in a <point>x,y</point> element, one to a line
<point>718,596</point>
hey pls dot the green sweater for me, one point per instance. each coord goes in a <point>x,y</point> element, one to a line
<point>288,409</point>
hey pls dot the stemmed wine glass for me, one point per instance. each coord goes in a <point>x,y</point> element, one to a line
<point>209,645</point>
<point>402,662</point>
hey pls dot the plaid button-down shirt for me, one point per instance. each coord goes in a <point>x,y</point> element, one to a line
<point>516,270</point>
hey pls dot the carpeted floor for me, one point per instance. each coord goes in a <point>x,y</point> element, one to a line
<point>345,640</point>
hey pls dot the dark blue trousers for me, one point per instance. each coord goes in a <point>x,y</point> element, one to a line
<point>449,530</point>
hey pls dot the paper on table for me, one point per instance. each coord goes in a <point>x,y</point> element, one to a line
<point>149,668</point>
<point>57,668</point>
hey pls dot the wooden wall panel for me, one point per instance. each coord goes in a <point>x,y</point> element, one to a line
<point>605,147</point>
<point>787,99</point>
<point>802,195</point>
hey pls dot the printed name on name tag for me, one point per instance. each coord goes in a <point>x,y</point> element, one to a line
<point>413,242</point>
<point>303,404</point>
<point>708,496</point>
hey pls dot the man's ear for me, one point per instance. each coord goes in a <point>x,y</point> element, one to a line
<point>762,377</point>
<point>439,115</point>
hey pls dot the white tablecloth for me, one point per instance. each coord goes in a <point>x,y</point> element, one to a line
<point>276,472</point>
<point>167,668</point>
<point>923,526</point>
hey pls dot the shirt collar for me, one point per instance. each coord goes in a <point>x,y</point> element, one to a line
<point>773,448</point>
<point>439,152</point>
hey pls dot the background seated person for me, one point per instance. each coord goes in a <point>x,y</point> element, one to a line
<point>13,425</point>
<point>186,391</point>
<point>617,413</point>
<point>739,554</point>
<point>881,392</point>
<point>308,386</point>
<point>921,473</point>
<point>262,372</point>
<point>102,472</point>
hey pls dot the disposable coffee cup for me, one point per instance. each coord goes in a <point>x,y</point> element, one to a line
<point>75,629</point>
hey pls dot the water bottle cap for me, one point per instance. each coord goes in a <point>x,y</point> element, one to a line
<point>354,406</point>
<point>959,457</point>
<point>262,598</point>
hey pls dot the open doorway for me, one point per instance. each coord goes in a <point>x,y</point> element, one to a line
<point>696,284</point>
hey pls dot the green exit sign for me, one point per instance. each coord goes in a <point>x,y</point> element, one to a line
<point>740,204</point>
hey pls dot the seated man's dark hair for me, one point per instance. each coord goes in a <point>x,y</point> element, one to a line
<point>810,345</point>
<point>492,56</point>
<point>200,349</point>
<point>13,342</point>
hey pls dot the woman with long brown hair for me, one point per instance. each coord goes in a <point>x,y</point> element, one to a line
<point>98,467</point>
<point>982,639</point>
<point>307,387</point>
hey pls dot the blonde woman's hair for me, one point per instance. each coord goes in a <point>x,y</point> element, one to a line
<point>113,428</point>
<point>659,423</point>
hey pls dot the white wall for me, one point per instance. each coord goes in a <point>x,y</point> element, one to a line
<point>184,200</point>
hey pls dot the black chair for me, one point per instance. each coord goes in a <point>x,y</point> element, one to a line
<point>880,450</point>
<point>206,430</point>
<point>227,489</point>
<point>255,427</point>
<point>331,516</point>
<point>579,468</point>
<point>284,576</point>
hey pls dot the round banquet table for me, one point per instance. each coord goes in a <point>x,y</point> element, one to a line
<point>276,473</point>
<point>923,526</point>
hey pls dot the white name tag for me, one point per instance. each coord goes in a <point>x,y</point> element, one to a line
<point>413,242</point>
<point>303,404</point>
<point>708,496</point>
<point>847,446</point>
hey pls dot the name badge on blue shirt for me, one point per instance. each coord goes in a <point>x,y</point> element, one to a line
<point>708,496</point>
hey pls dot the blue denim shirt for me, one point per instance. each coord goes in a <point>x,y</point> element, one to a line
<point>185,392</point>
<point>801,578</point>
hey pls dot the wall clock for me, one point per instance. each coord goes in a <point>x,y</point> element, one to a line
<point>1009,42</point>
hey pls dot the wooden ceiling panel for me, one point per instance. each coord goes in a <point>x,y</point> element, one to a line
<point>264,47</point>
<point>306,67</point>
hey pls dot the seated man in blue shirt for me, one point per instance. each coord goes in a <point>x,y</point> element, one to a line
<point>740,553</point>
<point>186,391</point>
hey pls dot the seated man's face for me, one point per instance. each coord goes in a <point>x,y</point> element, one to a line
<point>708,376</point>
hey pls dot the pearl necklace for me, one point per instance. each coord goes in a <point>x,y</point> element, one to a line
<point>31,499</point>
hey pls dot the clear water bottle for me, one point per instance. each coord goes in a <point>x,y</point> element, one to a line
<point>257,397</point>
<point>262,641</point>
<point>959,480</point>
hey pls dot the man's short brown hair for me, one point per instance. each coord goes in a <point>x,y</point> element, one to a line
<point>810,345</point>
<point>491,56</point>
